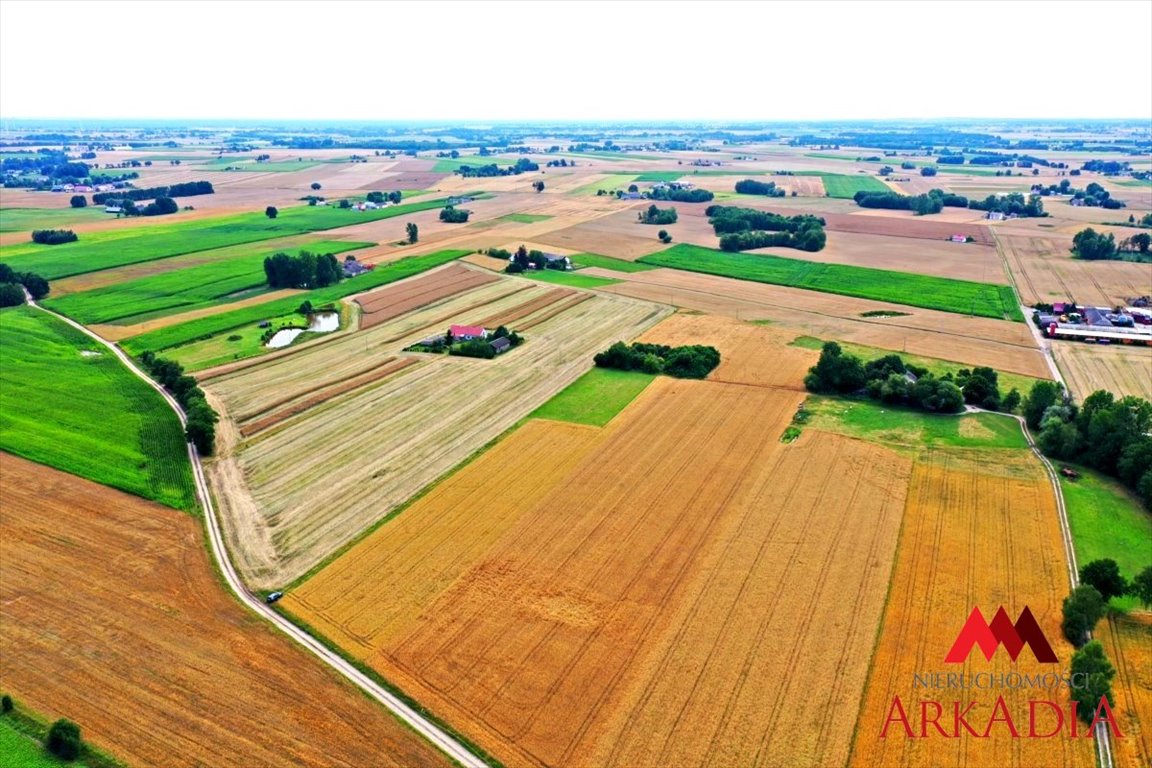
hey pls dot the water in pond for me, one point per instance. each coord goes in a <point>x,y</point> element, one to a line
<point>321,322</point>
<point>284,338</point>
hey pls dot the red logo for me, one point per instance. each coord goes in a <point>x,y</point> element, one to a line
<point>1001,631</point>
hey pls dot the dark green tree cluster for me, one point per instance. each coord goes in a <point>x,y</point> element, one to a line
<point>933,202</point>
<point>1108,434</point>
<point>187,189</point>
<point>453,215</point>
<point>753,187</point>
<point>691,361</point>
<point>413,232</point>
<point>473,348</point>
<point>1110,167</point>
<point>523,260</point>
<point>161,206</point>
<point>53,236</point>
<point>884,379</point>
<point>523,165</point>
<point>1012,203</point>
<point>12,286</point>
<point>1090,245</point>
<point>378,197</point>
<point>64,740</point>
<point>678,194</point>
<point>742,229</point>
<point>78,201</point>
<point>1091,665</point>
<point>305,270</point>
<point>654,215</point>
<point>1138,243</point>
<point>927,171</point>
<point>201,429</point>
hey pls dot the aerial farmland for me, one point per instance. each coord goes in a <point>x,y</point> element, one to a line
<point>502,440</point>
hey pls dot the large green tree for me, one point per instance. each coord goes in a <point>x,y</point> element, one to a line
<point>1095,675</point>
<point>1082,610</point>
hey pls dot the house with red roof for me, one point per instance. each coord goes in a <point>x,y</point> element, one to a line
<point>467,332</point>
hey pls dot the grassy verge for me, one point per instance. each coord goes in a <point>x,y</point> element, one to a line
<point>205,327</point>
<point>22,735</point>
<point>594,398</point>
<point>608,262</point>
<point>525,218</point>
<point>937,366</point>
<point>104,250</point>
<point>929,292</point>
<point>182,290</point>
<point>573,279</point>
<point>904,428</point>
<point>1108,522</point>
<point>86,413</point>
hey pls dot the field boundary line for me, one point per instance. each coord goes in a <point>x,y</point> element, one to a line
<point>447,744</point>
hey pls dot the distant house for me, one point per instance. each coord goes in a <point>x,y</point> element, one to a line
<point>631,196</point>
<point>353,268</point>
<point>996,216</point>
<point>501,345</point>
<point>959,238</point>
<point>467,332</point>
<point>553,258</point>
<point>81,188</point>
<point>368,206</point>
<point>459,200</point>
<point>113,209</point>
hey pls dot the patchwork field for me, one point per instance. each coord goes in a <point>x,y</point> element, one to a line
<point>1122,370</point>
<point>377,445</point>
<point>980,529</point>
<point>68,402</point>
<point>663,561</point>
<point>1127,641</point>
<point>164,668</point>
<point>1044,270</point>
<point>387,303</point>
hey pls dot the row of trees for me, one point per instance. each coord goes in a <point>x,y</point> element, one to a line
<point>742,229</point>
<point>654,215</point>
<point>933,202</point>
<point>1108,434</point>
<point>393,197</point>
<point>753,187</point>
<point>679,194</point>
<point>523,165</point>
<point>692,361</point>
<point>53,236</point>
<point>1094,196</point>
<point>523,259</point>
<point>201,429</point>
<point>453,215</point>
<point>12,285</point>
<point>1012,203</point>
<point>1090,245</point>
<point>304,270</point>
<point>186,189</point>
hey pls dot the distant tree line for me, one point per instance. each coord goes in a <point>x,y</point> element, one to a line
<point>654,215</point>
<point>753,187</point>
<point>742,229</point>
<point>933,202</point>
<point>187,189</point>
<point>453,215</point>
<point>686,362</point>
<point>1109,167</point>
<point>890,380</point>
<point>523,260</point>
<point>201,429</point>
<point>393,197</point>
<point>679,194</point>
<point>522,165</point>
<point>304,270</point>
<point>53,236</point>
<point>12,286</point>
<point>1012,203</point>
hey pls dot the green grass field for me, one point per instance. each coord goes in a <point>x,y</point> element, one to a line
<point>203,328</point>
<point>573,279</point>
<point>28,219</point>
<point>906,429</point>
<point>609,184</point>
<point>20,751</point>
<point>937,366</point>
<point>524,218</point>
<point>182,290</point>
<point>104,250</point>
<point>971,170</point>
<point>654,176</point>
<point>88,415</point>
<point>280,166</point>
<point>844,186</point>
<point>960,296</point>
<point>1107,522</point>
<point>451,165</point>
<point>608,262</point>
<point>595,397</point>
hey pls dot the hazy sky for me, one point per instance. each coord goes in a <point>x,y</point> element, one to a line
<point>575,60</point>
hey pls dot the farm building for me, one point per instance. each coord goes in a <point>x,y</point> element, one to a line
<point>353,268</point>
<point>501,345</point>
<point>996,216</point>
<point>959,238</point>
<point>113,209</point>
<point>558,260</point>
<point>467,332</point>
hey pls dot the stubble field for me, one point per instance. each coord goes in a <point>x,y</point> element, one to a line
<point>1120,369</point>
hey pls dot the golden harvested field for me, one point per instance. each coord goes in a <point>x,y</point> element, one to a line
<point>295,492</point>
<point>1128,643</point>
<point>979,530</point>
<point>394,300</point>
<point>972,340</point>
<point>1120,369</point>
<point>621,603</point>
<point>114,618</point>
<point>1045,271</point>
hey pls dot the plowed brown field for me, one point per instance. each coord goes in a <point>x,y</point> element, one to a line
<point>393,301</point>
<point>979,530</point>
<point>1128,644</point>
<point>113,617</point>
<point>625,601</point>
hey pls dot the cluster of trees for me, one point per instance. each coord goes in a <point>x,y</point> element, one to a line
<point>753,187</point>
<point>53,236</point>
<point>78,201</point>
<point>656,215</point>
<point>12,285</point>
<point>887,379</point>
<point>1090,245</point>
<point>524,259</point>
<point>161,206</point>
<point>742,229</point>
<point>393,197</point>
<point>538,186</point>
<point>413,232</point>
<point>521,166</point>
<point>1108,434</point>
<point>187,189</point>
<point>305,270</point>
<point>453,215</point>
<point>664,236</point>
<point>692,361</point>
<point>561,163</point>
<point>1110,167</point>
<point>64,740</point>
<point>482,347</point>
<point>928,170</point>
<point>679,194</point>
<point>1012,203</point>
<point>933,202</point>
<point>201,429</point>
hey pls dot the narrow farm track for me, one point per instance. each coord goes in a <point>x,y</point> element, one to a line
<point>433,733</point>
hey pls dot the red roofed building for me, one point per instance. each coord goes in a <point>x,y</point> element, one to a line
<point>467,332</point>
